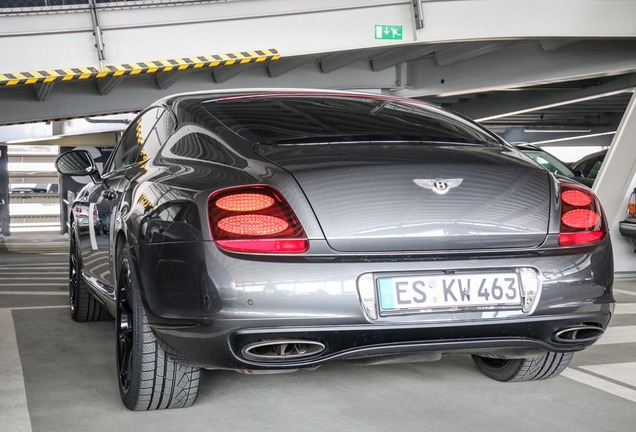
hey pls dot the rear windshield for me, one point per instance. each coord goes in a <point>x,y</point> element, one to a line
<point>276,119</point>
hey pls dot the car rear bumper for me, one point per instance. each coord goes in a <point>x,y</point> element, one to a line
<point>214,347</point>
<point>209,306</point>
<point>627,229</point>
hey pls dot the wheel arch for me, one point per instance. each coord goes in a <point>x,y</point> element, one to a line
<point>121,241</point>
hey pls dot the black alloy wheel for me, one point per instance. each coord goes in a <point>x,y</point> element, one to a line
<point>150,377</point>
<point>124,329</point>
<point>73,275</point>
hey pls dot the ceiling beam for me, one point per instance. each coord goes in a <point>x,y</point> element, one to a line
<point>506,104</point>
<point>285,65</point>
<point>221,74</point>
<point>520,66</point>
<point>107,85</point>
<point>80,99</point>
<point>106,139</point>
<point>394,56</point>
<point>42,90</point>
<point>465,51</point>
<point>166,79</point>
<point>332,62</point>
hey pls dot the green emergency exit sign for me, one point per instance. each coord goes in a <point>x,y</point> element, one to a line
<point>393,32</point>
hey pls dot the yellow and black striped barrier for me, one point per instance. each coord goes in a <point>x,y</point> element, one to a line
<point>149,67</point>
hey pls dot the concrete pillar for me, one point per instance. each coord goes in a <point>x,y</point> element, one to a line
<point>4,192</point>
<point>614,183</point>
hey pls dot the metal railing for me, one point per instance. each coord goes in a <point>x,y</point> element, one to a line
<point>28,7</point>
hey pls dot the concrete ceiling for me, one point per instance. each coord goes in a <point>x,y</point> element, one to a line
<point>514,72</point>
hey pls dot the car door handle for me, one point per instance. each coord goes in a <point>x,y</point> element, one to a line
<point>109,194</point>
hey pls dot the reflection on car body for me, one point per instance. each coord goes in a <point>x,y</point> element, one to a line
<point>268,231</point>
<point>81,217</point>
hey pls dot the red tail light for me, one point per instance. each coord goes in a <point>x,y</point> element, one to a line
<point>582,221</point>
<point>255,219</point>
<point>631,206</point>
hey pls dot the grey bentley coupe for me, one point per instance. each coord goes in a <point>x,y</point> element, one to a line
<point>273,230</point>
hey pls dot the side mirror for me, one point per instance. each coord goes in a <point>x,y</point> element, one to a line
<point>77,163</point>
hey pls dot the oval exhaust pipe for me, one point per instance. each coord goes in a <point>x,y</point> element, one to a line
<point>282,349</point>
<point>579,333</point>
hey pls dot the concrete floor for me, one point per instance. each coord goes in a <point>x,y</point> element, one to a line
<point>58,375</point>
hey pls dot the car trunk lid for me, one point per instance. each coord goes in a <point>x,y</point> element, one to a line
<point>371,197</point>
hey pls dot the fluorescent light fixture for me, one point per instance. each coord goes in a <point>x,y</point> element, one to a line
<point>555,104</point>
<point>555,129</point>
<point>573,138</point>
<point>31,140</point>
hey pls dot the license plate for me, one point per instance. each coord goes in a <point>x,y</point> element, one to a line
<point>442,291</point>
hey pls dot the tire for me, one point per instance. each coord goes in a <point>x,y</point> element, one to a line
<point>149,376</point>
<point>83,306</point>
<point>541,367</point>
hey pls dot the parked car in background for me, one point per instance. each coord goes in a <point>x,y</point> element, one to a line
<point>627,227</point>
<point>22,190</point>
<point>552,163</point>
<point>38,188</point>
<point>272,230</point>
<point>590,165</point>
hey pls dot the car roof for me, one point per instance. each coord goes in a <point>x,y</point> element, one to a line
<point>201,95</point>
<point>591,156</point>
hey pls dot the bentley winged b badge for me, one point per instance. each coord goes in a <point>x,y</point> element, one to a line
<point>438,185</point>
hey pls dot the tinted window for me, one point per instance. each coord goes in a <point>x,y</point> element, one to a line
<point>279,119</point>
<point>140,140</point>
<point>200,146</point>
<point>164,126</point>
